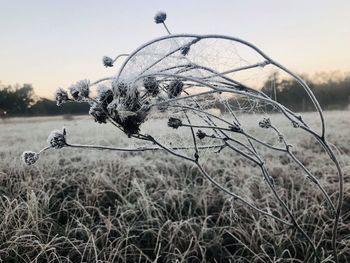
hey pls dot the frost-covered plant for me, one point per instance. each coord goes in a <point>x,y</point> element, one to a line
<point>180,77</point>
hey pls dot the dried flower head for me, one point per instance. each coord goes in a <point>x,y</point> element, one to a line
<point>61,96</point>
<point>107,61</point>
<point>160,17</point>
<point>57,139</point>
<point>80,90</point>
<point>30,157</point>
<point>295,124</point>
<point>119,87</point>
<point>175,88</point>
<point>128,112</point>
<point>104,95</point>
<point>174,123</point>
<point>98,113</point>
<point>201,135</point>
<point>151,85</point>
<point>265,123</point>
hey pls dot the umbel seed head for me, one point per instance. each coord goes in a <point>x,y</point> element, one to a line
<point>160,17</point>
<point>57,139</point>
<point>174,123</point>
<point>265,123</point>
<point>61,96</point>
<point>175,88</point>
<point>80,90</point>
<point>201,135</point>
<point>30,157</point>
<point>107,61</point>
<point>151,85</point>
<point>98,113</point>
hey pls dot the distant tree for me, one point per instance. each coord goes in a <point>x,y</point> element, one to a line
<point>48,107</point>
<point>330,93</point>
<point>17,99</point>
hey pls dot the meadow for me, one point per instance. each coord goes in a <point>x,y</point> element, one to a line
<point>102,206</point>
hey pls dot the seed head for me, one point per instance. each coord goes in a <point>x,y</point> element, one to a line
<point>61,96</point>
<point>120,88</point>
<point>80,90</point>
<point>175,88</point>
<point>295,124</point>
<point>174,123</point>
<point>265,123</point>
<point>104,95</point>
<point>128,112</point>
<point>160,17</point>
<point>98,113</point>
<point>30,157</point>
<point>107,61</point>
<point>201,135</point>
<point>151,85</point>
<point>57,139</point>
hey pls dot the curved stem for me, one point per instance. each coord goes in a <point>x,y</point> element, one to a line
<point>238,197</point>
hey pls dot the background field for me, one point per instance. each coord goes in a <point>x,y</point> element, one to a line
<point>89,206</point>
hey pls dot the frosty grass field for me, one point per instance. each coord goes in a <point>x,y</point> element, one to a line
<point>94,206</point>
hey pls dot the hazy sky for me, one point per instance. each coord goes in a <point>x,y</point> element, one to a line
<point>54,43</point>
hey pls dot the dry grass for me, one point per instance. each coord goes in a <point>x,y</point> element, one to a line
<point>78,206</point>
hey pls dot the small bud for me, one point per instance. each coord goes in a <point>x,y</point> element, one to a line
<point>265,123</point>
<point>295,124</point>
<point>280,138</point>
<point>80,90</point>
<point>201,135</point>
<point>174,123</point>
<point>57,139</point>
<point>30,157</point>
<point>104,95</point>
<point>175,88</point>
<point>120,88</point>
<point>184,50</point>
<point>98,113</point>
<point>151,85</point>
<point>107,61</point>
<point>160,17</point>
<point>61,96</point>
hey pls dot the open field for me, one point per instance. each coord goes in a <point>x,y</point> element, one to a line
<point>94,206</point>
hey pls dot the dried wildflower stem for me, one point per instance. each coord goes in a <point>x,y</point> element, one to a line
<point>292,217</point>
<point>266,175</point>
<point>313,179</point>
<point>218,90</point>
<point>217,184</point>
<point>243,42</point>
<point>287,150</point>
<point>140,149</point>
<point>166,28</point>
<point>238,197</point>
<point>260,163</point>
<point>331,154</point>
<point>119,56</point>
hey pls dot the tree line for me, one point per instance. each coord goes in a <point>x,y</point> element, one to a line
<point>21,101</point>
<point>331,93</point>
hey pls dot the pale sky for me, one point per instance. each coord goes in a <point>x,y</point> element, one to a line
<point>52,44</point>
